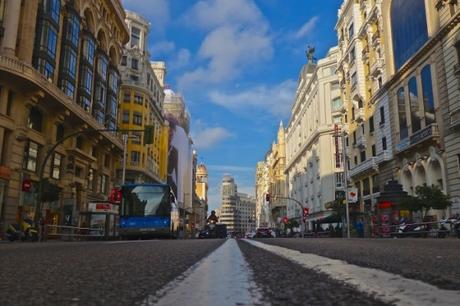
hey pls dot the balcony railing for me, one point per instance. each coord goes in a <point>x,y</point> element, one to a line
<point>418,137</point>
<point>361,142</point>
<point>365,166</point>
<point>359,115</point>
<point>377,66</point>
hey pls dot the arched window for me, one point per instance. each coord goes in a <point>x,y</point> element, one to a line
<point>409,28</point>
<point>403,132</point>
<point>428,99</point>
<point>415,115</point>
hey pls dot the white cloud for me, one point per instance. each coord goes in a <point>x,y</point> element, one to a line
<point>230,168</point>
<point>181,59</point>
<point>277,100</point>
<point>155,11</point>
<point>306,29</point>
<point>162,47</point>
<point>238,37</point>
<point>208,137</point>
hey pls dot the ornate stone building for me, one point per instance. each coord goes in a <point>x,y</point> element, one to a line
<point>142,105</point>
<point>58,76</point>
<point>262,188</point>
<point>313,172</point>
<point>361,71</point>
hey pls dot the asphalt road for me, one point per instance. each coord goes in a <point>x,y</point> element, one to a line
<point>201,272</point>
<point>434,261</point>
<point>93,273</point>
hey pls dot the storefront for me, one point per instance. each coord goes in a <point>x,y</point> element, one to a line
<point>101,219</point>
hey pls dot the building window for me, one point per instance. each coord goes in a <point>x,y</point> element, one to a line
<point>124,60</point>
<point>137,118</point>
<point>137,137</point>
<point>138,99</point>
<point>31,156</point>
<point>354,137</point>
<point>134,63</point>
<point>35,119</point>
<point>135,157</point>
<point>374,152</point>
<point>336,104</point>
<point>103,180</point>
<point>409,34</point>
<point>135,37</point>
<point>382,115</point>
<point>90,180</point>
<point>354,79</point>
<point>427,91</point>
<point>100,92</point>
<point>403,130</point>
<point>79,142</point>
<point>352,113</point>
<point>351,31</point>
<point>125,118</point>
<point>107,161</point>
<point>414,106</point>
<point>86,72</point>
<point>375,183</point>
<point>352,55</point>
<point>59,132</point>
<point>371,124</point>
<point>56,166</point>
<point>384,143</point>
<point>68,66</point>
<point>356,160</point>
<point>362,156</point>
<point>366,186</point>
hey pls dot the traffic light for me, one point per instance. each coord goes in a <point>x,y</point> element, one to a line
<point>267,197</point>
<point>305,211</point>
<point>285,220</point>
<point>148,134</point>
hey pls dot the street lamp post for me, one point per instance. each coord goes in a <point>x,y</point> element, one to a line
<point>345,178</point>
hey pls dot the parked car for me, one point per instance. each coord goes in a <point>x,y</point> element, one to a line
<point>264,232</point>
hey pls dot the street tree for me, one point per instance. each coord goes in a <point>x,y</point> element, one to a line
<point>427,197</point>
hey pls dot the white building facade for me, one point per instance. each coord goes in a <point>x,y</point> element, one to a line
<point>313,171</point>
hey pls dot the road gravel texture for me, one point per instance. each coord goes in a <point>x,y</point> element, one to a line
<point>287,283</point>
<point>434,261</point>
<point>95,273</point>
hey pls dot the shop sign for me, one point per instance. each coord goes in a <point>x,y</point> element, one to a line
<point>385,204</point>
<point>102,207</point>
<point>353,195</point>
<point>26,185</point>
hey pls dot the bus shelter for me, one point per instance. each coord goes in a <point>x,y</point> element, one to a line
<point>101,219</point>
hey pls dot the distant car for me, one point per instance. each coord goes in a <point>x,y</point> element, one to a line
<point>264,232</point>
<point>250,235</point>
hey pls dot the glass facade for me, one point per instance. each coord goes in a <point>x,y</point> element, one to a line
<point>112,100</point>
<point>87,59</point>
<point>409,33</point>
<point>68,66</point>
<point>100,91</point>
<point>428,99</point>
<point>416,118</point>
<point>403,131</point>
<point>44,59</point>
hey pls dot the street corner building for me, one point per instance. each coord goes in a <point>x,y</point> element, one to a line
<point>142,84</point>
<point>58,76</point>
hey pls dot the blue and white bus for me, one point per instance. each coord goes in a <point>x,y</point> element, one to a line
<point>148,210</point>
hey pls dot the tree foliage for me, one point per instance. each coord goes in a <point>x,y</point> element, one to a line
<point>427,197</point>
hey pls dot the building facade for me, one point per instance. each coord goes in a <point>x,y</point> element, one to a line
<point>361,71</point>
<point>201,191</point>
<point>262,189</point>
<point>311,149</point>
<point>245,213</point>
<point>58,76</point>
<point>228,214</point>
<point>141,106</point>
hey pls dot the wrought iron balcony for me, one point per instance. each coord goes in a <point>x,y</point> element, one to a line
<point>421,136</point>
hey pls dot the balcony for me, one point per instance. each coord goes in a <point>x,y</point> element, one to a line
<point>455,118</point>
<point>361,142</point>
<point>377,67</point>
<point>428,133</point>
<point>365,53</point>
<point>384,156</point>
<point>368,166</point>
<point>376,38</point>
<point>359,115</point>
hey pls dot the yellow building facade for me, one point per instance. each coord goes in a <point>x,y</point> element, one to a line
<point>58,76</point>
<point>142,105</point>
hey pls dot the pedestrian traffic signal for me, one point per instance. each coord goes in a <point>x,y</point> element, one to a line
<point>305,211</point>
<point>267,197</point>
<point>148,134</point>
<point>285,220</point>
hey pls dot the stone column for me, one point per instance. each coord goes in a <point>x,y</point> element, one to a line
<point>26,39</point>
<point>11,22</point>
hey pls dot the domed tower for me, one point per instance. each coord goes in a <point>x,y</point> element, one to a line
<point>202,182</point>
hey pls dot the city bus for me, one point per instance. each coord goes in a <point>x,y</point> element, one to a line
<point>148,210</point>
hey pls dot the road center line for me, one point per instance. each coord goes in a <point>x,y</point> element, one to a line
<point>385,286</point>
<point>222,278</point>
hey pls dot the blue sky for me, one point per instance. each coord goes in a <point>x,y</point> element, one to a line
<point>236,62</point>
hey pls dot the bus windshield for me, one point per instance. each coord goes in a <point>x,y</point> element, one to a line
<point>146,200</point>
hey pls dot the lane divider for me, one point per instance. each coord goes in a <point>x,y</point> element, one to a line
<point>385,286</point>
<point>222,278</point>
